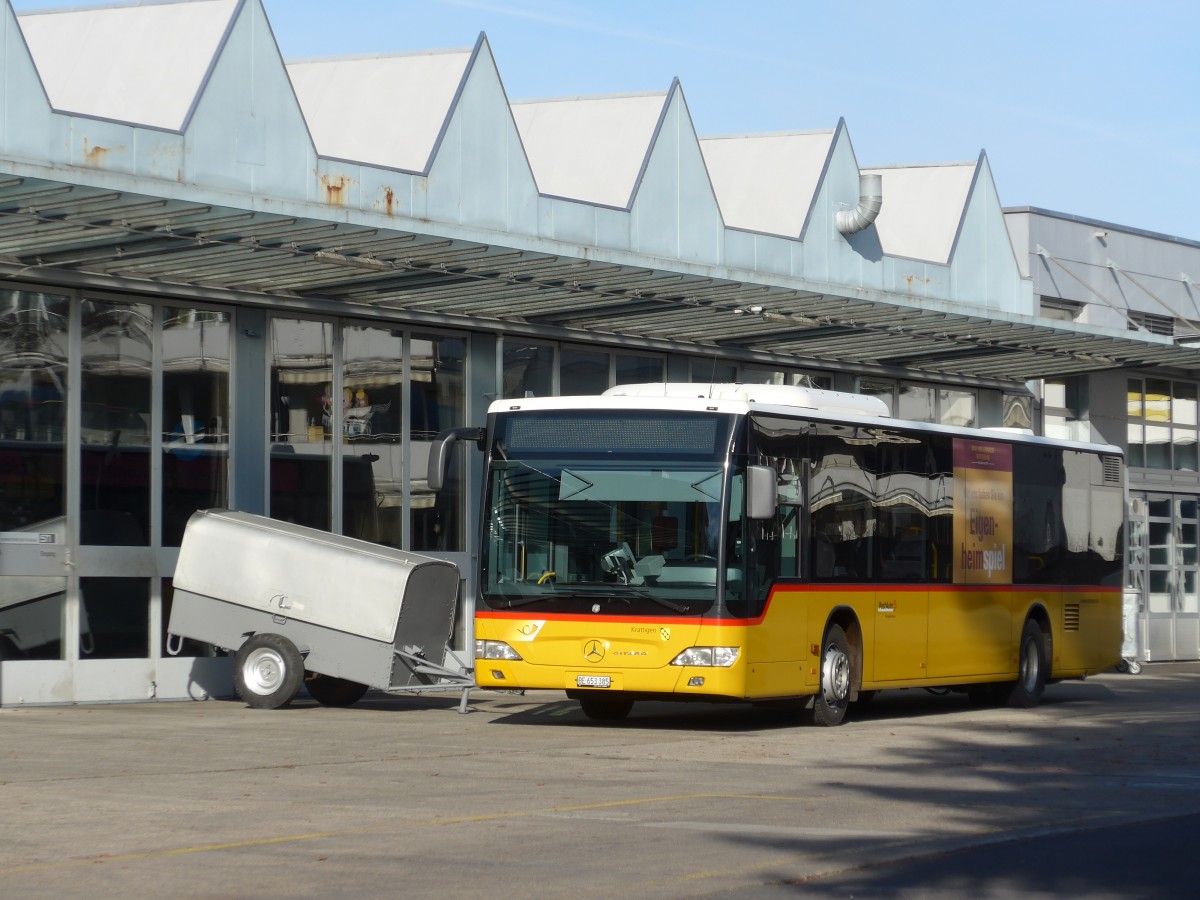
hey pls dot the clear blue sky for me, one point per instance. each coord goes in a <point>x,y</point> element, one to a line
<point>1090,108</point>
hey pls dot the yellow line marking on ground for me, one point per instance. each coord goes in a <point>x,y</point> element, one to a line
<point>172,851</point>
<point>638,801</point>
<point>317,835</point>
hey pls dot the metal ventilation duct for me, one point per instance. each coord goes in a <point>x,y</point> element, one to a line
<point>870,201</point>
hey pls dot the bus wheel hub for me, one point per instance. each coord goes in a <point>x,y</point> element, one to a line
<point>835,676</point>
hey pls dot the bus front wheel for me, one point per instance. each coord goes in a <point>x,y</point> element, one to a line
<point>837,676</point>
<point>1033,666</point>
<point>605,709</point>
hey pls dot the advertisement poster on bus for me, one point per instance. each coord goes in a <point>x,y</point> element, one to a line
<point>983,512</point>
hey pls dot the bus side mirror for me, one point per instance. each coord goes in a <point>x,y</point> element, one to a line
<point>760,492</point>
<point>439,452</point>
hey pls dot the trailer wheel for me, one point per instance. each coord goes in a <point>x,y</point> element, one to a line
<point>330,691</point>
<point>267,671</point>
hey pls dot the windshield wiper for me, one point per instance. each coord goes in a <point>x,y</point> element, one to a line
<point>510,602</point>
<point>617,593</point>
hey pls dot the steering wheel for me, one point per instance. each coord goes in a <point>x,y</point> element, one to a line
<point>700,557</point>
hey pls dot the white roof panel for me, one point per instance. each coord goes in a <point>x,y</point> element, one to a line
<point>138,64</point>
<point>382,110</point>
<point>589,148</point>
<point>922,208</point>
<point>766,182</point>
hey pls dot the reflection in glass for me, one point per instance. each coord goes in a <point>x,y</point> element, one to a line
<point>1158,400</point>
<point>1018,411</point>
<point>582,372</point>
<point>957,407</point>
<point>114,620</point>
<point>31,617</point>
<point>1183,405</point>
<point>1134,398</point>
<point>1160,591</point>
<point>115,421</point>
<point>195,415</point>
<point>711,371</point>
<point>1185,455</point>
<point>638,369</point>
<point>33,395</point>
<point>1136,439</point>
<point>304,418</point>
<point>1158,446</point>
<point>371,427</point>
<point>1188,600</point>
<point>1186,554</point>
<point>915,403</point>
<point>1160,547</point>
<point>1138,554</point>
<point>884,390</point>
<point>528,368</point>
<point>437,402</point>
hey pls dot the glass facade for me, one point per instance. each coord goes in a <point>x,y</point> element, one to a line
<point>116,388</point>
<point>34,341</point>
<point>33,408</point>
<point>305,420</point>
<point>438,391</point>
<point>541,369</point>
<point>928,403</point>
<point>1162,424</point>
<point>194,412</point>
<point>107,450</point>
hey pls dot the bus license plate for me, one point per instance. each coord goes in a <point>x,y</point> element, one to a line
<point>598,681</point>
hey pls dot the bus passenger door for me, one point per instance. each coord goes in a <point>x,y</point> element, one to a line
<point>901,633</point>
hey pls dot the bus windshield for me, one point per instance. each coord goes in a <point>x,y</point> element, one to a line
<point>603,511</point>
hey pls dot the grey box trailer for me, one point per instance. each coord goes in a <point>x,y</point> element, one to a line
<point>303,606</point>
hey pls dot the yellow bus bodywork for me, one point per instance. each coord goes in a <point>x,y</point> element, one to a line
<point>901,637</point>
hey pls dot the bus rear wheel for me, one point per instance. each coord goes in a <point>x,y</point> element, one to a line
<point>837,677</point>
<point>605,709</point>
<point>1033,667</point>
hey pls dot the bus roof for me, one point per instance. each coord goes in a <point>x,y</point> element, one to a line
<point>784,400</point>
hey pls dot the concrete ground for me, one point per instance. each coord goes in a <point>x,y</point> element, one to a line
<point>1095,793</point>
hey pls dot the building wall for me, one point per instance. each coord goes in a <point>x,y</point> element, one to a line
<point>1122,278</point>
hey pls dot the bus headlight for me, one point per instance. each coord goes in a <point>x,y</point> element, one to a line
<point>495,650</point>
<point>721,657</point>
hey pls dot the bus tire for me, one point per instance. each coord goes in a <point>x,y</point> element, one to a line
<point>837,678</point>
<point>330,691</point>
<point>267,671</point>
<point>600,708</point>
<point>1032,668</point>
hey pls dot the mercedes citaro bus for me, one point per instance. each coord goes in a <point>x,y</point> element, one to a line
<point>764,543</point>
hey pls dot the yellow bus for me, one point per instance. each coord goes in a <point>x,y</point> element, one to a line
<point>767,543</point>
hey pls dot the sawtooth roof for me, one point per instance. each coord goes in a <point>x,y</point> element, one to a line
<point>168,147</point>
